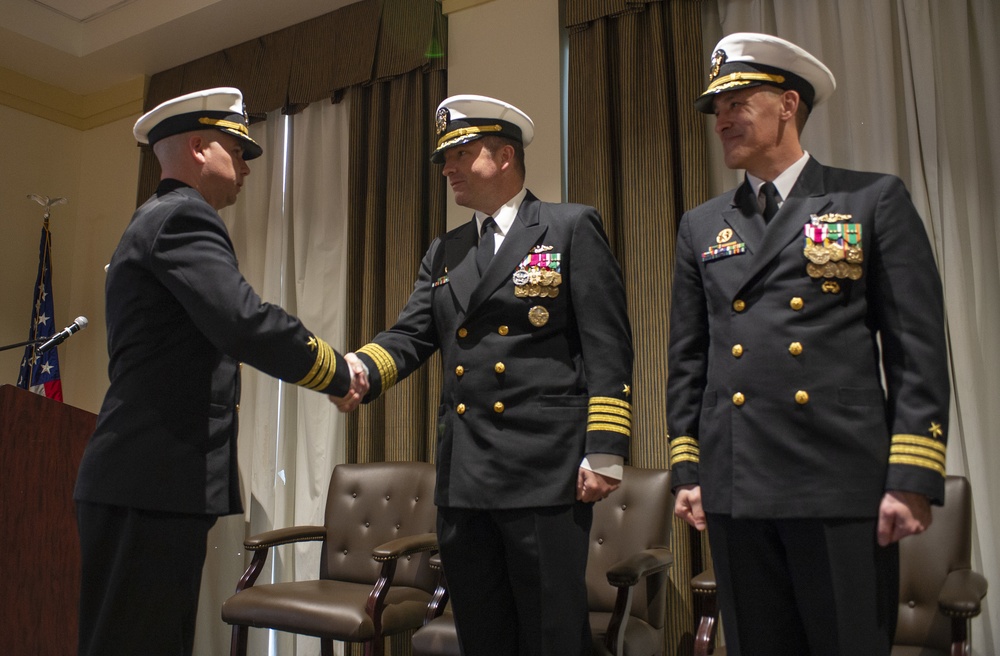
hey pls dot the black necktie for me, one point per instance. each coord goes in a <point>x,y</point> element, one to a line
<point>769,195</point>
<point>487,244</point>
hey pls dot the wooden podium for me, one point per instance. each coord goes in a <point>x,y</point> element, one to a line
<point>41,443</point>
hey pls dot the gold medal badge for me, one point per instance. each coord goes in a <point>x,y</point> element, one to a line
<point>538,316</point>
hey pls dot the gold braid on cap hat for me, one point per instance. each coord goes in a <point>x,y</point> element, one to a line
<point>222,123</point>
<point>741,78</point>
<point>461,132</point>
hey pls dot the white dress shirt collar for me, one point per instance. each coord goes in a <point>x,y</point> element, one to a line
<point>785,180</point>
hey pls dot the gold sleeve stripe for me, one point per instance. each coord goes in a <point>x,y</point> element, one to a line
<point>902,459</point>
<point>919,440</point>
<point>386,366</point>
<point>927,454</point>
<point>323,369</point>
<point>612,428</point>
<point>684,449</point>
<point>607,400</point>
<point>611,419</point>
<point>608,414</point>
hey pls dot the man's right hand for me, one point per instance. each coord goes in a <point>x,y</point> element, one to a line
<point>359,385</point>
<point>687,506</point>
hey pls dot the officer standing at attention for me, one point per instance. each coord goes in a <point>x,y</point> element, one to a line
<point>790,293</point>
<point>535,414</point>
<point>161,465</point>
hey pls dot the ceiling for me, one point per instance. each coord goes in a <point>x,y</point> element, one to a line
<point>89,46</point>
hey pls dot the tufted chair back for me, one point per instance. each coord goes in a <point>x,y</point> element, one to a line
<point>372,504</point>
<point>636,517</point>
<point>925,562</point>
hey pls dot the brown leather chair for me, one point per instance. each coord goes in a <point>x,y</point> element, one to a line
<point>629,549</point>
<point>938,591</point>
<point>374,578</point>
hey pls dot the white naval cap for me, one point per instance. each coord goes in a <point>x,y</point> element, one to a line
<point>747,59</point>
<point>220,108</point>
<point>464,118</point>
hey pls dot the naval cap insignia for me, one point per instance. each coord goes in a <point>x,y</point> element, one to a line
<point>441,120</point>
<point>718,59</point>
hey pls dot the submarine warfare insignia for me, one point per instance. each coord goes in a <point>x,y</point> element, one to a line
<point>538,275</point>
<point>833,247</point>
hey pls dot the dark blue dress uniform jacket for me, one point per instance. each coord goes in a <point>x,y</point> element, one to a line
<point>180,319</point>
<point>776,405</point>
<point>521,403</point>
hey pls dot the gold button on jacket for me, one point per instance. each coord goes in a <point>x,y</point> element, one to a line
<point>739,399</point>
<point>737,350</point>
<point>795,348</point>
<point>802,397</point>
<point>498,407</point>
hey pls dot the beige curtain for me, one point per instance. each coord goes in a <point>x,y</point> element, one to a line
<point>637,152</point>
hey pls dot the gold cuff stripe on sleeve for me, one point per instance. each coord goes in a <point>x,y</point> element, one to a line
<point>222,123</point>
<point>919,440</point>
<point>613,428</point>
<point>604,419</point>
<point>902,459</point>
<point>323,369</point>
<point>684,457</point>
<point>386,366</point>
<point>608,400</point>
<point>684,449</point>
<point>918,452</point>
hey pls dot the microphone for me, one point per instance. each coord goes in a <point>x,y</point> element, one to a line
<point>78,324</point>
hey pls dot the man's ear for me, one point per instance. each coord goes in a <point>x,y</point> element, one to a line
<point>790,104</point>
<point>506,155</point>
<point>197,145</point>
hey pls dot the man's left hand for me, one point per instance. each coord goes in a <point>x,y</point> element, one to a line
<point>902,514</point>
<point>591,486</point>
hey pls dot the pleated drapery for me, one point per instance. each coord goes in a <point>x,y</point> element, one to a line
<point>315,60</point>
<point>637,152</point>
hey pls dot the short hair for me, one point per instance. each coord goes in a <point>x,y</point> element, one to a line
<point>494,143</point>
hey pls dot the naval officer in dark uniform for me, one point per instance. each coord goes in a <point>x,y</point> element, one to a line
<point>161,465</point>
<point>535,413</point>
<point>792,294</point>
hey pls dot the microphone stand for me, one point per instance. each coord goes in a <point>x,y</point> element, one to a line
<point>27,343</point>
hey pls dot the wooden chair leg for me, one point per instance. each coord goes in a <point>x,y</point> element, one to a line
<point>238,643</point>
<point>325,647</point>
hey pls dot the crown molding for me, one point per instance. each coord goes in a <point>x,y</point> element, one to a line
<point>81,112</point>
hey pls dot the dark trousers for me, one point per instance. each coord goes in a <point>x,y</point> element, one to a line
<point>517,579</point>
<point>804,587</point>
<point>141,574</point>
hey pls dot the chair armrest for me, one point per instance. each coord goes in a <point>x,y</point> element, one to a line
<point>628,572</point>
<point>405,546</point>
<point>288,535</point>
<point>261,544</point>
<point>704,583</point>
<point>961,594</point>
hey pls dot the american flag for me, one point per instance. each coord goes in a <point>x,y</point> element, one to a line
<point>40,373</point>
